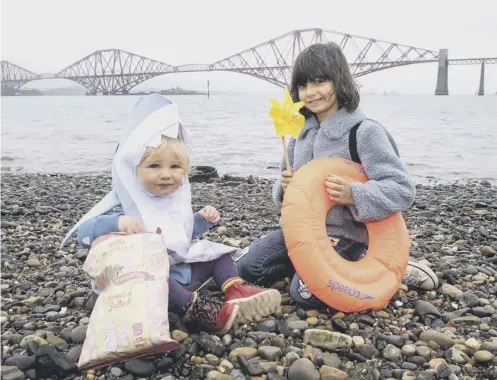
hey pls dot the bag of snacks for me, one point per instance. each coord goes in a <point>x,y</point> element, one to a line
<point>130,318</point>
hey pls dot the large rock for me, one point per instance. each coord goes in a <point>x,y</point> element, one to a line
<point>51,363</point>
<point>211,345</point>
<point>78,335</point>
<point>439,338</point>
<point>139,367</point>
<point>327,339</point>
<point>23,362</point>
<point>202,173</point>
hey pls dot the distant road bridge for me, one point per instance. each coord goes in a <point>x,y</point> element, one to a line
<point>116,71</point>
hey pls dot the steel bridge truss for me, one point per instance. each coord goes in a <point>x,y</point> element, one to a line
<point>273,60</point>
<point>14,77</point>
<point>117,71</point>
<point>113,71</point>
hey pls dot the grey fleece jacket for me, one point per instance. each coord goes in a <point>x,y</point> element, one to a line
<point>389,188</point>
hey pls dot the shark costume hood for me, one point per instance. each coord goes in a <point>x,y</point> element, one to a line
<point>151,118</point>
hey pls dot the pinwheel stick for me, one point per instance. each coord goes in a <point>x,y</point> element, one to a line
<point>285,152</point>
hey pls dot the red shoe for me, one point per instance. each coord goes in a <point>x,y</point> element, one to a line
<point>255,303</point>
<point>212,315</point>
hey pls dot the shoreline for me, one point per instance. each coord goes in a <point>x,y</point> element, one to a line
<point>46,296</point>
<point>426,181</point>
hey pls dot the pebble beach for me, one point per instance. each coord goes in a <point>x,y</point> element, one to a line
<point>447,333</point>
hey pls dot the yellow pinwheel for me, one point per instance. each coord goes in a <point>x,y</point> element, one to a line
<point>287,120</point>
<point>286,117</point>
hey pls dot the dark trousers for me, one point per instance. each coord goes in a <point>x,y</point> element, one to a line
<point>266,261</point>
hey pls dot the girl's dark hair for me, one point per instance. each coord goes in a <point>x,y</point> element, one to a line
<point>325,61</point>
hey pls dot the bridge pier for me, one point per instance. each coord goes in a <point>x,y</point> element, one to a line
<point>443,73</point>
<point>481,90</point>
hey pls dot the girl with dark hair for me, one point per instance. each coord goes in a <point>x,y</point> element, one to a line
<point>335,126</point>
<point>323,69</point>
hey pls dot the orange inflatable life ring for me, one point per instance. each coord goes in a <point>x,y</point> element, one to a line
<point>344,285</point>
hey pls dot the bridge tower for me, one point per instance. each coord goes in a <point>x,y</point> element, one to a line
<point>443,73</point>
<point>481,90</point>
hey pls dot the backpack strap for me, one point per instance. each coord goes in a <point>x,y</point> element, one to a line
<point>354,155</point>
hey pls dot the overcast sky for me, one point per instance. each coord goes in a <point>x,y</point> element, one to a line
<point>46,36</point>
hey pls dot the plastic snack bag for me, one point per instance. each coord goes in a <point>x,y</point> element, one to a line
<point>130,317</point>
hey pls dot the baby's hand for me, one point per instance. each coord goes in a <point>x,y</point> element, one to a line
<point>210,214</point>
<point>338,190</point>
<point>128,224</point>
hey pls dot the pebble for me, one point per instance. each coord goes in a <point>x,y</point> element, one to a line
<point>392,353</point>
<point>215,375</point>
<point>139,367</point>
<point>226,365</point>
<point>268,326</point>
<point>330,371</point>
<point>269,353</point>
<point>327,339</point>
<point>78,335</point>
<point>33,263</point>
<point>211,359</point>
<point>51,363</point>
<point>409,350</point>
<point>23,362</point>
<point>248,352</point>
<point>382,314</point>
<point>451,291</point>
<point>12,373</point>
<point>116,371</point>
<point>426,308</point>
<point>298,325</point>
<point>473,344</point>
<point>358,341</point>
<point>179,335</point>
<point>312,313</point>
<point>455,356</point>
<point>312,321</point>
<point>484,356</point>
<point>435,336</point>
<point>31,343</point>
<point>291,357</point>
<point>74,353</point>
<point>332,360</point>
<point>303,369</point>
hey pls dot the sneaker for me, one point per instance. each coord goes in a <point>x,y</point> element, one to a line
<point>211,315</point>
<point>255,303</point>
<point>419,275</point>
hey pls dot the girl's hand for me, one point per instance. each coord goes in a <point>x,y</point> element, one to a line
<point>210,214</point>
<point>128,224</point>
<point>286,176</point>
<point>338,190</point>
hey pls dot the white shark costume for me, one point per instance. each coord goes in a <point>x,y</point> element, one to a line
<point>151,118</point>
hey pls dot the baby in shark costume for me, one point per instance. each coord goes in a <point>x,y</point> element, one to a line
<point>151,192</point>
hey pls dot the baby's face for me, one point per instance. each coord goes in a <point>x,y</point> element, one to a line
<point>161,173</point>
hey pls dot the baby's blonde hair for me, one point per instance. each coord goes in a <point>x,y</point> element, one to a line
<point>176,146</point>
